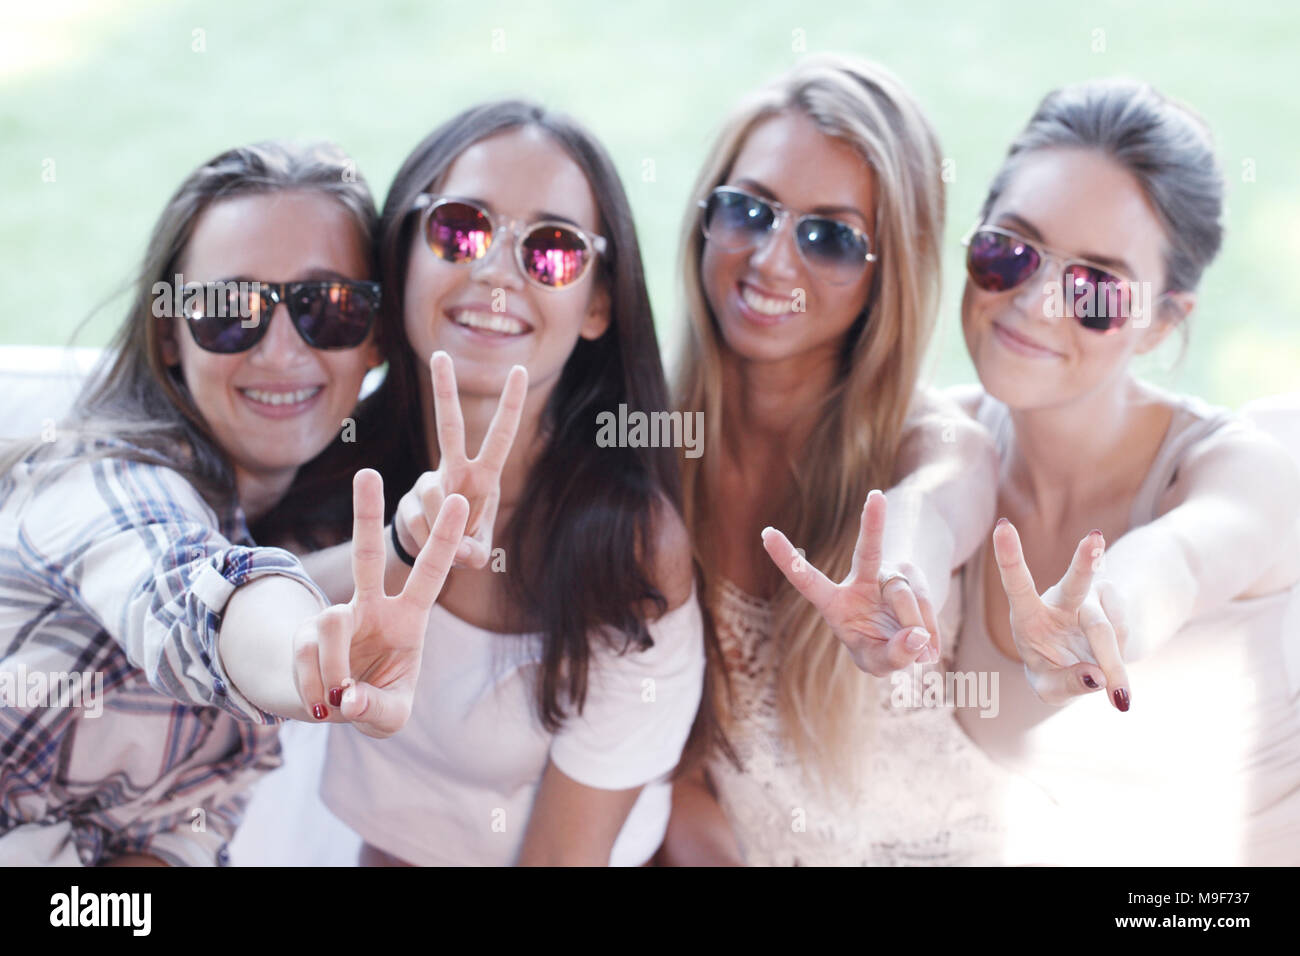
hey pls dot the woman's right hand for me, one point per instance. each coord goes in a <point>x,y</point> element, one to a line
<point>881,612</point>
<point>367,652</point>
<point>477,479</point>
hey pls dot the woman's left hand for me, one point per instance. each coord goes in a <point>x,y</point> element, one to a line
<point>1070,637</point>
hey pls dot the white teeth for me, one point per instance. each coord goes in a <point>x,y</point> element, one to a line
<point>764,304</point>
<point>280,398</point>
<point>489,321</point>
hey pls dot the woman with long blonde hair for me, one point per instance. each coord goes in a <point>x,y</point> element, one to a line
<point>811,270</point>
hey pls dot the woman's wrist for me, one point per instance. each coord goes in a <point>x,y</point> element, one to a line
<point>402,554</point>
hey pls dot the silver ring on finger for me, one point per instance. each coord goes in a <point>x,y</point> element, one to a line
<point>885,581</point>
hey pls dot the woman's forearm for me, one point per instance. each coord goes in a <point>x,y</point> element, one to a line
<point>942,507</point>
<point>1149,568</point>
<point>331,569</point>
<point>256,642</point>
<point>698,831</point>
<point>1230,530</point>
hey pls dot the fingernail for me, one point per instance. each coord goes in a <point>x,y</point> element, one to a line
<point>350,696</point>
<point>462,551</point>
<point>1095,531</point>
<point>1089,682</point>
<point>1121,699</point>
<point>1001,522</point>
<point>917,639</point>
<point>765,532</point>
<point>319,712</point>
<point>336,696</point>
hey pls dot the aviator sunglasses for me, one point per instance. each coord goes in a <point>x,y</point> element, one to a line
<point>998,260</point>
<point>833,250</point>
<point>233,316</point>
<point>552,254</point>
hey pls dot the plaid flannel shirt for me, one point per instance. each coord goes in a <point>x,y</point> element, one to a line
<point>118,723</point>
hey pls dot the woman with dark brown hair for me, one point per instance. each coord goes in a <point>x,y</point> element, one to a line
<point>149,646</point>
<point>563,668</point>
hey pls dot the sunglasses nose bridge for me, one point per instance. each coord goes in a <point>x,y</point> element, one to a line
<point>1035,294</point>
<point>772,250</point>
<point>500,261</point>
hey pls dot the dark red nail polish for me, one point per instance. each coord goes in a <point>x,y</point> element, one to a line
<point>1089,682</point>
<point>319,712</point>
<point>336,696</point>
<point>1121,699</point>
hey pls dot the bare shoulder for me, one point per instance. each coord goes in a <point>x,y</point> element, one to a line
<point>672,557</point>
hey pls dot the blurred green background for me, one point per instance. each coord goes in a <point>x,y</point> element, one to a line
<point>121,99</point>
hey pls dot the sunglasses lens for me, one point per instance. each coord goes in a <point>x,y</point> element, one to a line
<point>734,220</point>
<point>555,256</point>
<point>224,317</point>
<point>1098,300</point>
<point>459,232</point>
<point>832,249</point>
<point>997,262</point>
<point>332,315</point>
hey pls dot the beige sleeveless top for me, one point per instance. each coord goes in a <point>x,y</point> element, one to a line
<point>1205,767</point>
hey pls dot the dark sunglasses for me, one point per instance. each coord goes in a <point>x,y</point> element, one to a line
<point>551,254</point>
<point>833,250</point>
<point>233,316</point>
<point>998,260</point>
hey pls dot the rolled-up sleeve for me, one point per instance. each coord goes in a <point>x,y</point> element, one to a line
<point>139,550</point>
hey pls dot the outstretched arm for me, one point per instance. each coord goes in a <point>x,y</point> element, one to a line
<point>946,484</point>
<point>884,611</point>
<point>1229,529</point>
<point>355,662</point>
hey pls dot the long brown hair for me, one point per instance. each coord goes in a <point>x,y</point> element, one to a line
<point>823,697</point>
<point>580,565</point>
<point>136,399</point>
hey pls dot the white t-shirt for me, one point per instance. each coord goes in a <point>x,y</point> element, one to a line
<point>456,785</point>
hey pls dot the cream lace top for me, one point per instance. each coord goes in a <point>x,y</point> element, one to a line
<point>929,796</point>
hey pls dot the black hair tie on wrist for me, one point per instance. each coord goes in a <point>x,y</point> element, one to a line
<point>401,552</point>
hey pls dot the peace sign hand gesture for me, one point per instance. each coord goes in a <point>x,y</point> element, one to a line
<point>368,652</point>
<point>477,479</point>
<point>1069,639</point>
<point>881,612</point>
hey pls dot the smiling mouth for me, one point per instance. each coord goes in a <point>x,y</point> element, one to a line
<point>276,398</point>
<point>489,323</point>
<point>762,303</point>
<point>1022,344</point>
